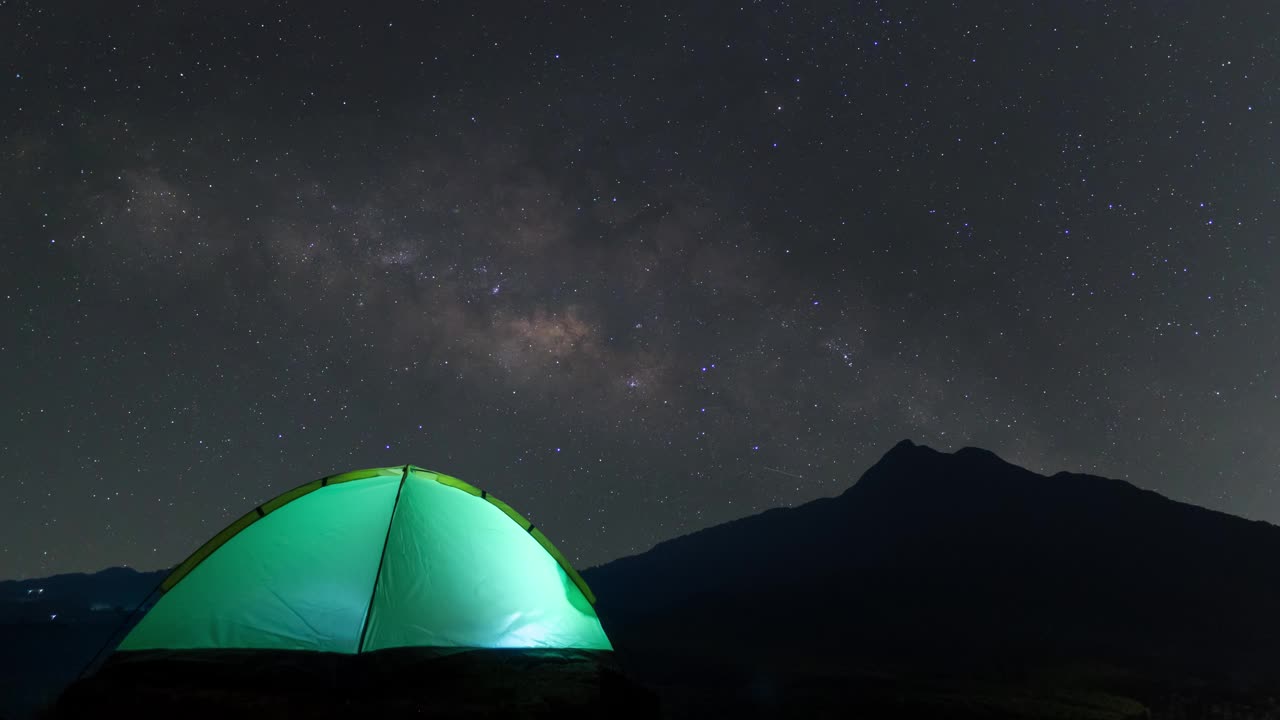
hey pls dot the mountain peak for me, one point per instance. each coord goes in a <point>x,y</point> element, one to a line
<point>933,555</point>
<point>907,449</point>
<point>909,469</point>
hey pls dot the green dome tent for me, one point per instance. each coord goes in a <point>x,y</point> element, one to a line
<point>381,593</point>
<point>372,560</point>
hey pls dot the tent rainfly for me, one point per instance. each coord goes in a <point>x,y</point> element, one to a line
<point>369,560</point>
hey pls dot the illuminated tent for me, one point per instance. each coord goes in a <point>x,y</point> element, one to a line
<point>372,560</point>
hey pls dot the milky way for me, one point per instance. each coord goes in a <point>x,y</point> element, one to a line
<point>636,271</point>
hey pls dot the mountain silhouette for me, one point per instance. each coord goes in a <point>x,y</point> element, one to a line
<point>936,562</point>
<point>53,626</point>
<point>73,593</point>
<point>938,584</point>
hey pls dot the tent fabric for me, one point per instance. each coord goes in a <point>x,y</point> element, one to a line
<point>372,560</point>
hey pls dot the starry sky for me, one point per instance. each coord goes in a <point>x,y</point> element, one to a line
<point>637,270</point>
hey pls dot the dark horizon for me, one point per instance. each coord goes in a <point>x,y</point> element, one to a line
<point>943,580</point>
<point>636,271</point>
<point>910,446</point>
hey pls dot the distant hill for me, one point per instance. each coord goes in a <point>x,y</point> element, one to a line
<point>76,593</point>
<point>52,626</point>
<point>936,563</point>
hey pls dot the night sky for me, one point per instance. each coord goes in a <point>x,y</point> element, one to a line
<point>636,271</point>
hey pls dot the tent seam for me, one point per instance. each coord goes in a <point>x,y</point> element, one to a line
<point>373,594</point>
